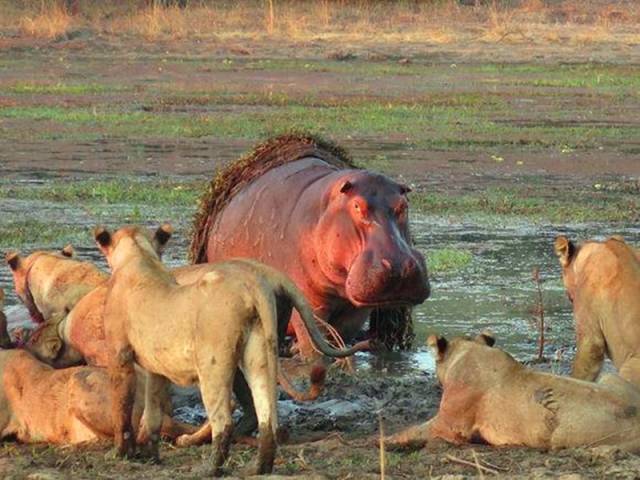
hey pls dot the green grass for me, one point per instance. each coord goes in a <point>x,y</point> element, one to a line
<point>58,88</point>
<point>430,126</point>
<point>572,206</point>
<point>18,233</point>
<point>115,191</point>
<point>435,111</point>
<point>448,260</point>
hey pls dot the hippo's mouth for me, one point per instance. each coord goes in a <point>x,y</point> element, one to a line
<point>382,303</point>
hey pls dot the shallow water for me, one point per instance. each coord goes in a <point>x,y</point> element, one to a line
<point>494,291</point>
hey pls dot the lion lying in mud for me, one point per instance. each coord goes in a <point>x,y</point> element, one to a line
<point>68,406</point>
<point>188,334</point>
<point>488,396</point>
<point>602,280</point>
<point>41,404</point>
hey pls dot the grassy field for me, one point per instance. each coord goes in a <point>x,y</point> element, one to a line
<point>511,116</point>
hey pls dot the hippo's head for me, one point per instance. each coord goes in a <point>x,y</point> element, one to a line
<point>362,242</point>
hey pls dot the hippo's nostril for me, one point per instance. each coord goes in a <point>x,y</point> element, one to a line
<point>386,264</point>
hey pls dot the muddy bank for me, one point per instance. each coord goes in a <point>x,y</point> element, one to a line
<point>335,437</point>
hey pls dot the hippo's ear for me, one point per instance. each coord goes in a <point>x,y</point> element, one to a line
<point>346,186</point>
<point>68,251</point>
<point>439,346</point>
<point>404,189</point>
<point>13,260</point>
<point>565,250</point>
<point>103,238</point>
<point>162,236</point>
<point>486,338</point>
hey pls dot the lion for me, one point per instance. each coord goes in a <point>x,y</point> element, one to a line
<point>198,333</point>
<point>80,337</point>
<point>41,404</point>
<point>490,397</point>
<point>602,281</point>
<point>51,283</point>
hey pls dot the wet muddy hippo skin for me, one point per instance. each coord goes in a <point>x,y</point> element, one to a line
<point>341,234</point>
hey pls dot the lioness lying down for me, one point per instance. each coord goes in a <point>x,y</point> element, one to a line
<point>196,333</point>
<point>41,404</point>
<point>602,280</point>
<point>488,396</point>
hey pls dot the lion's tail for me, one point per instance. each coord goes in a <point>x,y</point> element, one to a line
<point>306,314</point>
<point>267,311</point>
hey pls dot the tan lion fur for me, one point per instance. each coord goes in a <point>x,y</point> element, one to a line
<point>488,396</point>
<point>80,335</point>
<point>68,406</point>
<point>51,283</point>
<point>188,334</point>
<point>602,280</point>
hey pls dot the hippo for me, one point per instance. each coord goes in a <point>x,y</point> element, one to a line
<point>341,233</point>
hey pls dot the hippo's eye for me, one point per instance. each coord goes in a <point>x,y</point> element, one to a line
<point>360,209</point>
<point>401,210</point>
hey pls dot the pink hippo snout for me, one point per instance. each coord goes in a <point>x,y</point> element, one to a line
<point>384,280</point>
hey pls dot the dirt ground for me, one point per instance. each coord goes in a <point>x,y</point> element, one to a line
<point>335,437</point>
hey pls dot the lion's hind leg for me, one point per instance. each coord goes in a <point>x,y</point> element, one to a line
<point>216,382</point>
<point>259,364</point>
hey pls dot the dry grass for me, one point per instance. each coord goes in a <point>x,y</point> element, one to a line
<point>51,22</point>
<point>447,21</point>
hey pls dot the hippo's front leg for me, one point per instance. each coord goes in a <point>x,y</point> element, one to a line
<point>304,344</point>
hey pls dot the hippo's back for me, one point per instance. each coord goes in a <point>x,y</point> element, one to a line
<point>267,219</point>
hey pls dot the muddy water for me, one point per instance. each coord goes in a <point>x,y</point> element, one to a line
<point>494,291</point>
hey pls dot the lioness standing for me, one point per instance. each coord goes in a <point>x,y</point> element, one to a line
<point>602,280</point>
<point>198,333</point>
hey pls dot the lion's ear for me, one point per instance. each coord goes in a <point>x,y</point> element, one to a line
<point>486,338</point>
<point>68,251</point>
<point>565,250</point>
<point>13,260</point>
<point>162,236</point>
<point>52,347</point>
<point>103,238</point>
<point>439,346</point>
<point>1,298</point>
